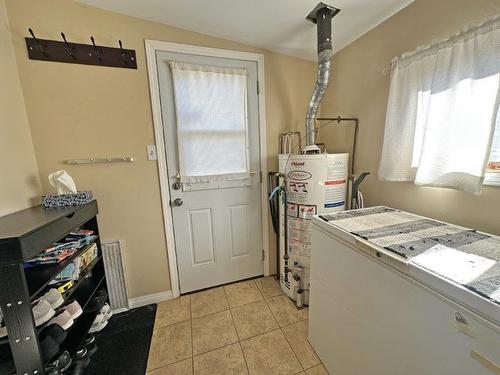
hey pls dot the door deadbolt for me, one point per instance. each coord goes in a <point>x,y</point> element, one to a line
<point>177,184</point>
<point>178,202</point>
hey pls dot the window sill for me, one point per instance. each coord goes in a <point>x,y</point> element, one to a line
<point>492,179</point>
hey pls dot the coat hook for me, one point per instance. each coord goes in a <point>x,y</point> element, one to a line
<point>67,46</point>
<point>38,44</point>
<point>96,51</point>
<point>123,52</point>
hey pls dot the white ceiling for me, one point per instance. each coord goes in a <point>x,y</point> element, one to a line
<point>277,25</point>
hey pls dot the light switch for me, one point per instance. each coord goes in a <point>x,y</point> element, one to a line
<point>151,149</point>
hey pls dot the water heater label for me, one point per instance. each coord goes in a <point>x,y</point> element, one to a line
<point>292,210</point>
<point>298,192</point>
<point>335,185</point>
<point>299,175</point>
<point>307,211</point>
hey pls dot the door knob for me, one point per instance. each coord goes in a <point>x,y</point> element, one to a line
<point>178,202</point>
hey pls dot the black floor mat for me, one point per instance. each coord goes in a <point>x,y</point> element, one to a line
<point>123,346</point>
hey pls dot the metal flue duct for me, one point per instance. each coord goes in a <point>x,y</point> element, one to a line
<point>321,15</point>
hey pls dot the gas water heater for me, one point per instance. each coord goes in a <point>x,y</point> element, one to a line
<point>313,184</point>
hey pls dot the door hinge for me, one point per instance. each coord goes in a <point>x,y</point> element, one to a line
<point>260,175</point>
<point>258,88</point>
<point>263,255</point>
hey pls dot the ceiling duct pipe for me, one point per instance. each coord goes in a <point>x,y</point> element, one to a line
<point>321,15</point>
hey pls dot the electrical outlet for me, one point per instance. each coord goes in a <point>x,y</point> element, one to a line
<point>151,150</point>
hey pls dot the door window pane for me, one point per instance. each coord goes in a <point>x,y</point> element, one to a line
<point>211,111</point>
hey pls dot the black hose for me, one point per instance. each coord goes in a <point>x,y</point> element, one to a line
<point>272,183</point>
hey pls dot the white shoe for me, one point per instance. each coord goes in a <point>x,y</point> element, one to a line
<point>106,311</point>
<point>54,297</point>
<point>63,318</point>
<point>74,309</point>
<point>100,318</point>
<point>42,312</point>
<point>98,327</point>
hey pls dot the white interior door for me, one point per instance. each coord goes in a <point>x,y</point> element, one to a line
<point>211,125</point>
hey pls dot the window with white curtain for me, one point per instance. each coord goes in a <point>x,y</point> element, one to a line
<point>211,114</point>
<point>442,111</point>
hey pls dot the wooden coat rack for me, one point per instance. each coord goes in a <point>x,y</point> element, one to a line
<point>77,53</point>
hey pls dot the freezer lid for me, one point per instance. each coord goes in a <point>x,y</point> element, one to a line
<point>423,248</point>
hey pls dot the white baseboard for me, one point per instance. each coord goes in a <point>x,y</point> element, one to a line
<point>149,299</point>
<point>120,310</point>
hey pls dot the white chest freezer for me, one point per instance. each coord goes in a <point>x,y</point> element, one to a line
<point>374,312</point>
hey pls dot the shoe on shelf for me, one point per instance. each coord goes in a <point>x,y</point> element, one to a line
<point>54,297</point>
<point>106,310</point>
<point>95,304</point>
<point>91,349</point>
<point>52,371</point>
<point>81,353</point>
<point>42,312</point>
<point>98,327</point>
<point>49,348</point>
<point>102,294</point>
<point>79,366</point>
<point>63,362</point>
<point>55,331</point>
<point>100,318</point>
<point>89,339</point>
<point>98,302</point>
<point>63,318</point>
<point>73,308</point>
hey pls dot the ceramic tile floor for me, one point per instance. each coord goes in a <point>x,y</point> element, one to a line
<point>249,327</point>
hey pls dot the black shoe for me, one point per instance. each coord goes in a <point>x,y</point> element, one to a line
<point>52,371</point>
<point>89,339</point>
<point>81,353</point>
<point>98,301</point>
<point>102,294</point>
<point>49,348</point>
<point>55,331</point>
<point>91,349</point>
<point>79,366</point>
<point>62,362</point>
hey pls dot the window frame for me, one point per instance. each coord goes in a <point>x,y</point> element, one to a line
<point>492,178</point>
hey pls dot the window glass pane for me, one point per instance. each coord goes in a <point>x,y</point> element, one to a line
<point>214,154</point>
<point>495,149</point>
<point>211,108</point>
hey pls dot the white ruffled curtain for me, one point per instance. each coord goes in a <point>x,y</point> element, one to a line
<point>442,109</point>
<point>211,112</point>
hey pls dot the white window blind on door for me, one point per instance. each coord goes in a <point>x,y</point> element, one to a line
<point>212,122</point>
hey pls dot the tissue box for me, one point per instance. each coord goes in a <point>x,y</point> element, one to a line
<point>63,200</point>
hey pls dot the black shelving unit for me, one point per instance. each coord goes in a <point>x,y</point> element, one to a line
<point>23,235</point>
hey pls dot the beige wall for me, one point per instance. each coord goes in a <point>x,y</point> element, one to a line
<point>359,90</point>
<point>19,182</point>
<point>78,111</point>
